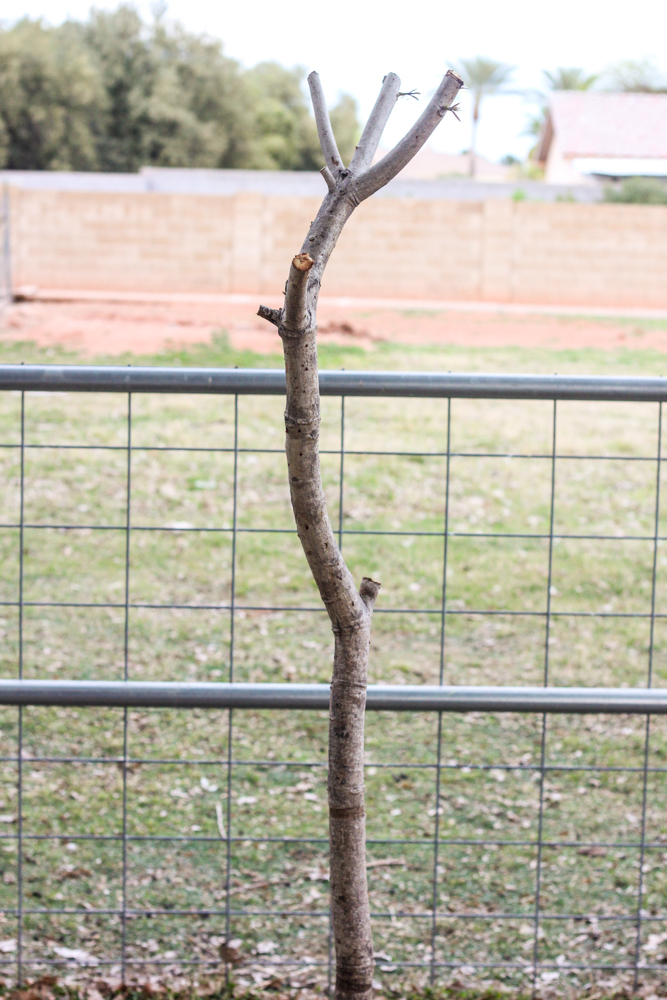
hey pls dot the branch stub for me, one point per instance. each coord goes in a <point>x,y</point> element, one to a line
<point>368,591</point>
<point>303,262</point>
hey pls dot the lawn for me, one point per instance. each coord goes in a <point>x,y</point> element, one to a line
<point>179,782</point>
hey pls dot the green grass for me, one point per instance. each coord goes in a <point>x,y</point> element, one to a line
<point>386,356</point>
<point>403,495</point>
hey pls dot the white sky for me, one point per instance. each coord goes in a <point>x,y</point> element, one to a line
<point>415,40</point>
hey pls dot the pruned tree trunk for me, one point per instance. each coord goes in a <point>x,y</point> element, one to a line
<point>350,609</point>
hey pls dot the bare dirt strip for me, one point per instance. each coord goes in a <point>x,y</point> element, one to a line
<point>96,323</point>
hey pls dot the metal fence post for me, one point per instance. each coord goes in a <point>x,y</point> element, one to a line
<point>19,844</point>
<point>232,607</point>
<point>649,683</point>
<point>543,744</point>
<point>438,768</point>
<point>126,674</point>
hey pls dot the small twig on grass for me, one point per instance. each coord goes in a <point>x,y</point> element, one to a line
<point>386,863</point>
<point>259,884</point>
<point>221,823</point>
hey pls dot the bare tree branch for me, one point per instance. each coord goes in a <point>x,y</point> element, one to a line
<point>391,164</point>
<point>378,118</point>
<point>271,315</point>
<point>329,178</point>
<point>350,610</point>
<point>332,157</point>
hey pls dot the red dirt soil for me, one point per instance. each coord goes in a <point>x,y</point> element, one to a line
<point>99,324</point>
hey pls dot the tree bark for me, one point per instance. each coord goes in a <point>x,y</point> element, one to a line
<point>350,610</point>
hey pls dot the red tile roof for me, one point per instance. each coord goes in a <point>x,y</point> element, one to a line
<point>597,125</point>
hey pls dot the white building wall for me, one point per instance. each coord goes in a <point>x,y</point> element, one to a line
<point>559,168</point>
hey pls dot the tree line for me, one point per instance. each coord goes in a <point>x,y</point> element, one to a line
<point>113,93</point>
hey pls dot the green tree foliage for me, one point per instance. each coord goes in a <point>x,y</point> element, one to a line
<point>285,131</point>
<point>345,124</point>
<point>284,136</point>
<point>113,93</point>
<point>569,78</point>
<point>49,98</point>
<point>171,98</point>
<point>637,77</point>
<point>638,191</point>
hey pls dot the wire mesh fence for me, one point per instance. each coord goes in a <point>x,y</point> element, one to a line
<point>525,850</point>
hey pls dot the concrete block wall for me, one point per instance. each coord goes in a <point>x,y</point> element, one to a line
<point>495,250</point>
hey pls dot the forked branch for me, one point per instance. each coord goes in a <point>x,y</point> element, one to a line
<point>350,609</point>
<point>332,157</point>
<point>390,165</point>
<point>378,118</point>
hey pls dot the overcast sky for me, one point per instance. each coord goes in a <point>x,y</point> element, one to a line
<point>354,45</point>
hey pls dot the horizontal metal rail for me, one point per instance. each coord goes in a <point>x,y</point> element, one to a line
<point>381,697</point>
<point>271,382</point>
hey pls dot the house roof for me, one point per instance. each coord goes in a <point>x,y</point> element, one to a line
<point>606,125</point>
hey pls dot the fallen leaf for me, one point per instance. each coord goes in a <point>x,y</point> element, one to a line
<point>230,952</point>
<point>654,942</point>
<point>77,955</point>
<point>258,884</point>
<point>71,872</point>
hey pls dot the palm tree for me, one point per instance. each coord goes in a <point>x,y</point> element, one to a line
<point>569,78</point>
<point>561,78</point>
<point>483,78</point>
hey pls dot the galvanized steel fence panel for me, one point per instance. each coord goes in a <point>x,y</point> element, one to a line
<point>25,379</point>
